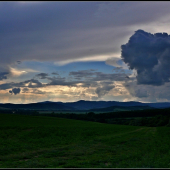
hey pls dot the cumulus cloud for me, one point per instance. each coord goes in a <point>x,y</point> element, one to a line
<point>148,93</point>
<point>25,90</point>
<point>101,83</point>
<point>15,91</point>
<point>3,75</point>
<point>18,62</point>
<point>83,78</point>
<point>54,73</point>
<point>42,75</point>
<point>149,55</point>
<point>62,82</point>
<point>36,91</point>
<point>101,91</point>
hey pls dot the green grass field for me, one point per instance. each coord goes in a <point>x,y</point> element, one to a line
<point>48,142</point>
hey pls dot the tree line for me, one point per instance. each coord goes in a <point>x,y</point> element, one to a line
<point>151,117</point>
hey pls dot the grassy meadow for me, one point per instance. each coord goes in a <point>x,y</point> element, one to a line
<point>50,142</point>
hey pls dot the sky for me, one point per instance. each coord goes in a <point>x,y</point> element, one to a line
<point>87,50</point>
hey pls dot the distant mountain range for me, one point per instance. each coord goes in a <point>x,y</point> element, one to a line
<point>37,106</point>
<point>86,105</point>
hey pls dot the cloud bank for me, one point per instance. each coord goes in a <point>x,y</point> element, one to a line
<point>70,31</point>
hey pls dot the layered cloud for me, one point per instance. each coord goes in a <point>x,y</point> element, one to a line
<point>100,82</point>
<point>28,83</point>
<point>98,76</point>
<point>53,31</point>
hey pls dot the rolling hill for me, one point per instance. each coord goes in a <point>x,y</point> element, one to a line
<point>37,106</point>
<point>85,105</point>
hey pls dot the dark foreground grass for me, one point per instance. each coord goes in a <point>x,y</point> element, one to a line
<point>46,142</point>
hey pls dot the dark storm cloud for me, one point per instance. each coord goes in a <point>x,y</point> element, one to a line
<point>15,91</point>
<point>149,55</point>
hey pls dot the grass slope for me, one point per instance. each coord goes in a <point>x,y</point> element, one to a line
<point>120,108</point>
<point>47,142</point>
